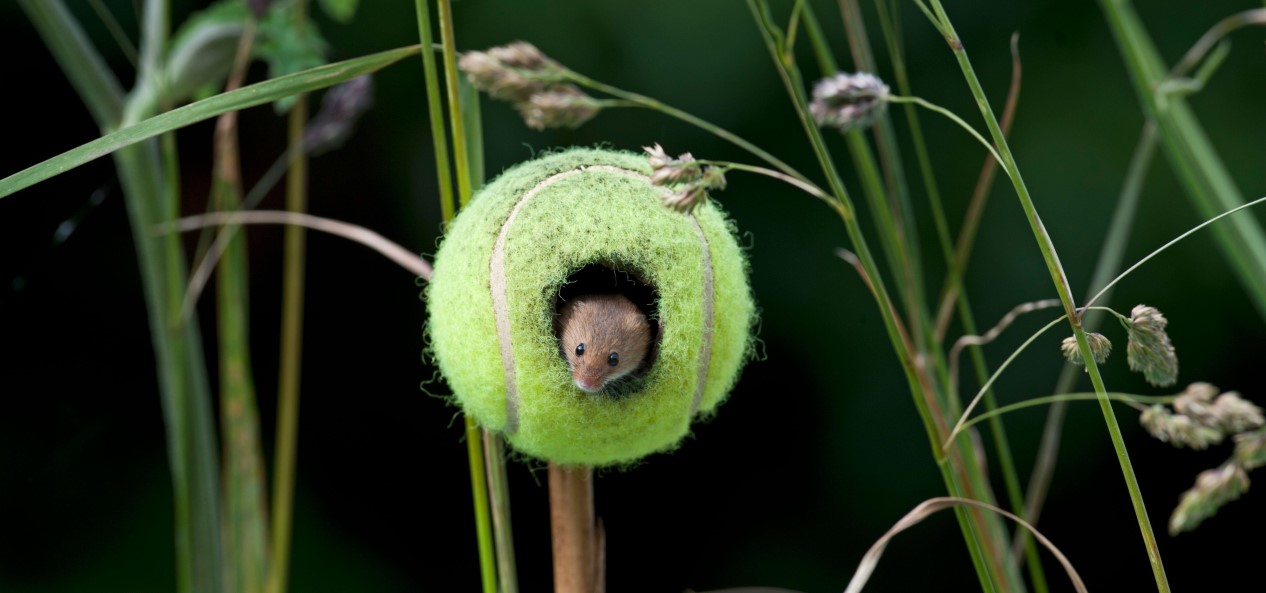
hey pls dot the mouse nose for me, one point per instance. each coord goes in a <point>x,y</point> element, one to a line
<point>589,383</point>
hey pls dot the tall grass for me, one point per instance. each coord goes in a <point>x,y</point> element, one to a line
<point>884,206</point>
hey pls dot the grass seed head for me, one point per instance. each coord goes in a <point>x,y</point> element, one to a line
<point>848,101</point>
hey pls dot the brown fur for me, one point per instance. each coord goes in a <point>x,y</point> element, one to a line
<point>604,323</point>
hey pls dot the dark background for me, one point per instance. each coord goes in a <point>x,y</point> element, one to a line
<point>818,450</point>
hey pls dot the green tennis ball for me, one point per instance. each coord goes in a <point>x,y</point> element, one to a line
<point>494,293</point>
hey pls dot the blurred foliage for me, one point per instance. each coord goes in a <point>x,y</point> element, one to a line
<point>819,449</point>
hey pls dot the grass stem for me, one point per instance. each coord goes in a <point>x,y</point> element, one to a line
<point>1059,278</point>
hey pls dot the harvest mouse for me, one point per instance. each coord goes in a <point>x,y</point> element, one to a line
<point>604,337</point>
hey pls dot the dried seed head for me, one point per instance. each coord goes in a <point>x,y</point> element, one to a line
<point>689,179</point>
<point>341,107</point>
<point>1250,449</point>
<point>1213,488</point>
<point>524,55</point>
<point>1195,402</point>
<point>847,101</point>
<point>563,106</point>
<point>1100,348</point>
<point>687,199</point>
<point>1229,413</point>
<point>488,74</point>
<point>1149,350</point>
<point>521,74</point>
<point>1149,319</point>
<point>1177,429</point>
<point>667,171</point>
<point>1236,414</point>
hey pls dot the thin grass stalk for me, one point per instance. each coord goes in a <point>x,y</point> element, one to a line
<point>453,92</point>
<point>979,198</point>
<point>1060,280</point>
<point>900,210</point>
<point>245,535</point>
<point>1110,258</point>
<point>290,379</point>
<point>483,520</point>
<point>461,158</point>
<point>973,480</point>
<point>1189,151</point>
<point>494,449</point>
<point>435,110</point>
<point>499,499</point>
<point>933,421</point>
<point>954,269</point>
<point>956,261</point>
<point>181,375</point>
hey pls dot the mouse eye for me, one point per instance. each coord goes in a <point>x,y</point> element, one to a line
<point>614,359</point>
<point>580,349</point>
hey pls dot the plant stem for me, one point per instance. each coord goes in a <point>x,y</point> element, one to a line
<point>573,529</point>
<point>483,522</point>
<point>289,379</point>
<point>464,189</point>
<point>1060,280</point>
<point>244,530</point>
<point>461,158</point>
<point>1110,257</point>
<point>499,494</point>
<point>435,108</point>
<point>1063,398</point>
<point>921,390</point>
<point>688,118</point>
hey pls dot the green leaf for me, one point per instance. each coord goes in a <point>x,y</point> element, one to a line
<point>250,96</point>
<point>339,10</point>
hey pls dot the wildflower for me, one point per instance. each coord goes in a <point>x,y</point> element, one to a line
<point>1149,350</point>
<point>1100,348</point>
<point>689,180</point>
<point>341,107</point>
<point>848,101</point>
<point>1213,488</point>
<point>1178,429</point>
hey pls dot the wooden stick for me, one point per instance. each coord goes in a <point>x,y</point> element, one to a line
<point>576,553</point>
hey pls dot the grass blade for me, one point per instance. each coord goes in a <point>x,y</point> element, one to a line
<point>929,507</point>
<point>245,97</point>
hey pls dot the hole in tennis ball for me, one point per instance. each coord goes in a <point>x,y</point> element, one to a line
<point>603,278</point>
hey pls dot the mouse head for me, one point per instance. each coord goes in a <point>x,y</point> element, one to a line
<point>603,338</point>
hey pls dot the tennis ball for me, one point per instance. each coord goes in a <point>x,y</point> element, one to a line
<point>495,289</point>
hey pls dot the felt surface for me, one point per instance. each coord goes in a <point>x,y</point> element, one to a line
<point>597,215</point>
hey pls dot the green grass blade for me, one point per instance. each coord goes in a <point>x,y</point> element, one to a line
<point>250,96</point>
<point>435,111</point>
<point>1199,168</point>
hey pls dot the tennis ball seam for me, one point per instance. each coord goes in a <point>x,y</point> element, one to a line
<point>500,305</point>
<point>705,349</point>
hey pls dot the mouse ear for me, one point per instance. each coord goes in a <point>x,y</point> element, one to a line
<point>506,260</point>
